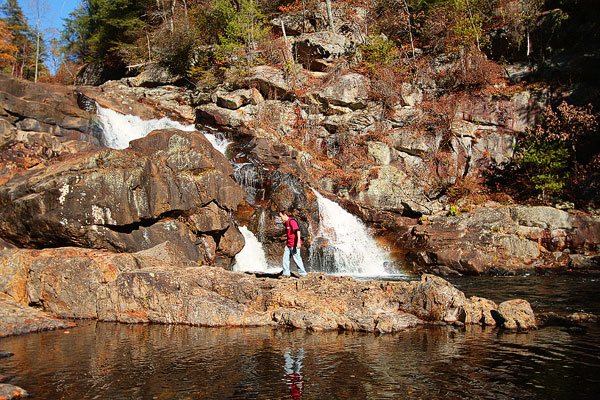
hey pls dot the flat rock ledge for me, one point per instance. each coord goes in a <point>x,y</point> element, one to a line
<point>135,288</point>
<point>18,319</point>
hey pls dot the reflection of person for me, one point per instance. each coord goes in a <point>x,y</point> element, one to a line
<point>293,370</point>
<point>292,245</point>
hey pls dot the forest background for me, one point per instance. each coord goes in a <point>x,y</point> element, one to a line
<point>211,42</point>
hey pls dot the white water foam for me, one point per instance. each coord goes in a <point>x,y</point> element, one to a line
<point>351,245</point>
<point>120,129</point>
<point>252,257</point>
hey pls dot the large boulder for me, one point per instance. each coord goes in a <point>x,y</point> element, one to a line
<point>350,90</point>
<point>12,392</point>
<point>389,188</point>
<point>271,82</point>
<point>238,98</point>
<point>212,114</point>
<point>515,314</point>
<point>171,185</point>
<point>154,75</point>
<point>7,131</point>
<point>314,47</point>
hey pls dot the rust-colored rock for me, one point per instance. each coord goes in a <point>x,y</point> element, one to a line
<point>516,314</point>
<point>497,239</point>
<point>11,392</point>
<point>135,288</point>
<point>18,319</point>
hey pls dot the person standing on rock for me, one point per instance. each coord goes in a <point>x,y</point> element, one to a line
<point>292,245</point>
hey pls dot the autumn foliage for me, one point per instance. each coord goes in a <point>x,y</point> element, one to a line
<point>560,157</point>
<point>7,48</point>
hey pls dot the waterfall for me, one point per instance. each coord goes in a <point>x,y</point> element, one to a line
<point>119,129</point>
<point>347,247</point>
<point>252,257</point>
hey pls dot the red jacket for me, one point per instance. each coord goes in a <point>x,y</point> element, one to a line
<point>291,230</point>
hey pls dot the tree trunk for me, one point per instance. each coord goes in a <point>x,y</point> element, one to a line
<point>412,44</point>
<point>330,15</point>
<point>37,49</point>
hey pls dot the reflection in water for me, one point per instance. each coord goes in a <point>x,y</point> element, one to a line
<point>117,361</point>
<point>293,371</point>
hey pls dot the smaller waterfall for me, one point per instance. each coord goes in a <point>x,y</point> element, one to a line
<point>262,221</point>
<point>349,248</point>
<point>250,177</point>
<point>252,257</point>
<point>120,129</point>
<point>217,139</point>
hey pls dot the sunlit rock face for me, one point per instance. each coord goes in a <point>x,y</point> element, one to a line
<point>503,240</point>
<point>42,108</point>
<point>171,185</point>
<point>134,288</point>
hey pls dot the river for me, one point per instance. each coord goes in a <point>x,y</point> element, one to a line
<point>117,361</point>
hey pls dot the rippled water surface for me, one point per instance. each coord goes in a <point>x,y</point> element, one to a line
<point>116,361</point>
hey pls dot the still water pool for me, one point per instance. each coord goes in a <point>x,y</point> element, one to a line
<point>117,361</point>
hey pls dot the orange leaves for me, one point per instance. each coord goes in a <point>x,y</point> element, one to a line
<point>291,7</point>
<point>7,48</point>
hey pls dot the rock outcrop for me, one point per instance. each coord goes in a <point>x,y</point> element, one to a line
<point>135,288</point>
<point>12,392</point>
<point>171,185</point>
<point>498,239</point>
<point>18,319</point>
<point>316,51</point>
<point>26,108</point>
<point>154,75</point>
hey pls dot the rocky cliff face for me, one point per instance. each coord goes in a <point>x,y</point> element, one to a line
<point>399,158</point>
<point>139,222</point>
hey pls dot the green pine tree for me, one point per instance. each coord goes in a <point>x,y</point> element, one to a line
<point>99,29</point>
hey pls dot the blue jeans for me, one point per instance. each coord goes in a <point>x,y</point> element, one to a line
<point>286,262</point>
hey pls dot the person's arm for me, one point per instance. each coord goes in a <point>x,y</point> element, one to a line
<point>298,239</point>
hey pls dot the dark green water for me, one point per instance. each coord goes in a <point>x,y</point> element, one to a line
<point>115,361</point>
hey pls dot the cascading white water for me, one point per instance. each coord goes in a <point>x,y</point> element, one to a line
<point>119,129</point>
<point>252,257</point>
<point>349,245</point>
